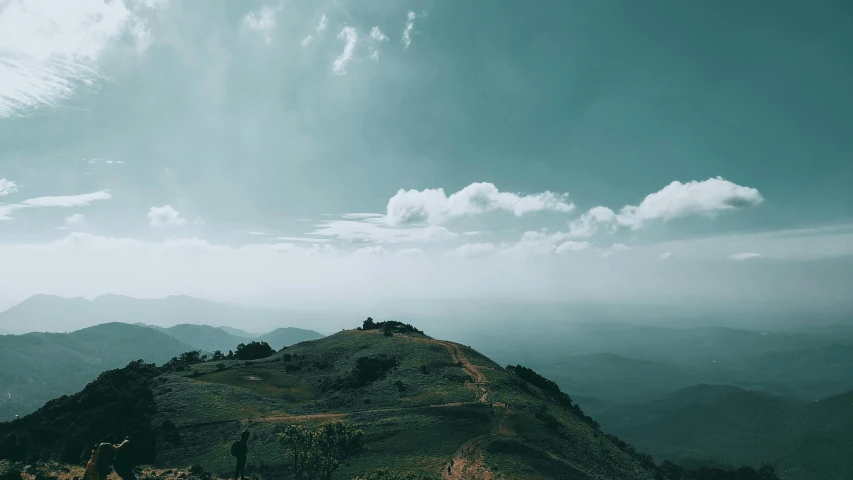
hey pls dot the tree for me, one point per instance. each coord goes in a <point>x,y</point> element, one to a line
<point>385,474</point>
<point>318,453</point>
<point>253,351</point>
<point>298,442</point>
<point>217,355</point>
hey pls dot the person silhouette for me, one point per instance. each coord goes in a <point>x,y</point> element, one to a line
<point>240,449</point>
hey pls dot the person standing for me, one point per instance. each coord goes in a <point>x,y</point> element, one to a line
<point>124,460</point>
<point>240,449</point>
<point>105,454</point>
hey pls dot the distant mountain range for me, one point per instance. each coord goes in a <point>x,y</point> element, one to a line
<point>48,313</point>
<point>209,339</point>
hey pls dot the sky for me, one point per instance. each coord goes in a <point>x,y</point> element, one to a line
<point>322,152</point>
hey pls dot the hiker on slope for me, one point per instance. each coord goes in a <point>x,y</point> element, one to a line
<point>240,449</point>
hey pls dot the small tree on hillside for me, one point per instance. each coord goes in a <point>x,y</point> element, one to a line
<point>318,453</point>
<point>253,351</point>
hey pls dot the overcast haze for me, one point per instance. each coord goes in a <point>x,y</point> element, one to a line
<point>325,153</point>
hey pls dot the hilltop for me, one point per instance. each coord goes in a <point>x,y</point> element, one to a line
<point>420,402</point>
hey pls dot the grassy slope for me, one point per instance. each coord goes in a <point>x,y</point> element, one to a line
<point>418,428</point>
<point>38,367</point>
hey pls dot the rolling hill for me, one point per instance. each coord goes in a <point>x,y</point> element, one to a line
<point>37,367</point>
<point>287,336</point>
<point>429,408</point>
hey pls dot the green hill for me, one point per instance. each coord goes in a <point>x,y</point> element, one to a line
<point>806,440</point>
<point>37,367</point>
<point>202,337</point>
<point>421,403</point>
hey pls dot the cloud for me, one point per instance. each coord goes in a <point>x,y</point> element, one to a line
<point>433,207</point>
<point>7,209</point>
<point>618,247</point>
<point>587,224</point>
<point>350,35</point>
<point>473,233</point>
<point>410,253</point>
<point>744,256</point>
<point>305,273</point>
<point>165,216</point>
<point>367,231</point>
<point>542,243</point>
<point>676,200</point>
<point>373,250</point>
<point>407,31</point>
<point>49,49</point>
<point>322,24</point>
<point>472,250</point>
<point>7,187</point>
<point>665,255</point>
<point>257,233</point>
<point>377,34</point>
<point>303,239</point>
<point>263,21</point>
<point>68,200</point>
<point>571,246</point>
<point>75,218</point>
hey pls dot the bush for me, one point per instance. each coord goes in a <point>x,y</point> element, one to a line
<point>369,369</point>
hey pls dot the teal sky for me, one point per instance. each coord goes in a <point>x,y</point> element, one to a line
<point>261,141</point>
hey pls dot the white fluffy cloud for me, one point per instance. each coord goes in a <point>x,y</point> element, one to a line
<point>165,216</point>
<point>572,246</point>
<point>351,230</point>
<point>434,207</point>
<point>744,256</point>
<point>676,200</point>
<point>76,218</point>
<point>7,187</point>
<point>372,250</point>
<point>68,200</point>
<point>350,37</point>
<point>48,49</point>
<point>472,250</point>
<point>376,34</point>
<point>263,21</point>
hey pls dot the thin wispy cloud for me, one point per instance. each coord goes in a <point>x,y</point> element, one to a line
<point>50,49</point>
<point>322,24</point>
<point>410,27</point>
<point>350,36</point>
<point>68,200</point>
<point>744,256</point>
<point>263,21</point>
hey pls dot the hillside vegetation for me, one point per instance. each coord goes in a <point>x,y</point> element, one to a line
<point>427,408</point>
